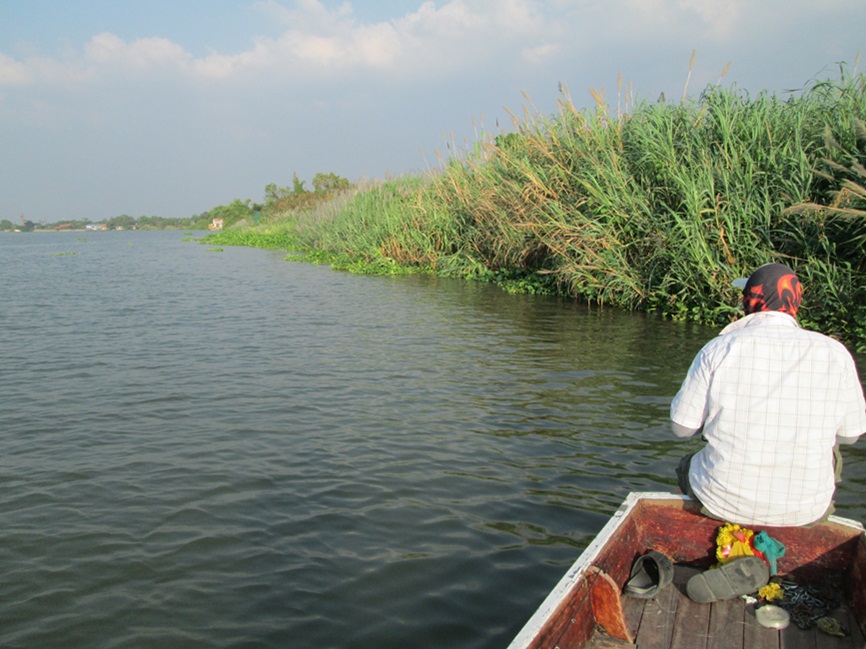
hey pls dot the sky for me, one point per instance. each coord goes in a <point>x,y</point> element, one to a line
<point>172,107</point>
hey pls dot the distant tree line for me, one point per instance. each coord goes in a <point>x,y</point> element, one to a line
<point>7,226</point>
<point>278,201</point>
<point>122,222</point>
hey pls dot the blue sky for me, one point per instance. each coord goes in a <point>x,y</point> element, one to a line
<point>169,108</point>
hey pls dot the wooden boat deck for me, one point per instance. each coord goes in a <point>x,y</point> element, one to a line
<point>586,609</point>
<point>672,621</point>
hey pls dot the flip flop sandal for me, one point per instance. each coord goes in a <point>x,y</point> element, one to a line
<point>738,577</point>
<point>649,575</point>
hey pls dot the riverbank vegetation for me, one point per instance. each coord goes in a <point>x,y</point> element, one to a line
<point>655,207</point>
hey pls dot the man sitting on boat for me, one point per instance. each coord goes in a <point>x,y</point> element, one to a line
<point>772,401</point>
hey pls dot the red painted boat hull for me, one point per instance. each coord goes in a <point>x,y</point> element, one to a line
<point>587,598</point>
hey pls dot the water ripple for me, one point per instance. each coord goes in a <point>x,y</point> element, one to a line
<point>236,451</point>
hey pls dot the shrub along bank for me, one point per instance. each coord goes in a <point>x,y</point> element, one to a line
<point>657,208</point>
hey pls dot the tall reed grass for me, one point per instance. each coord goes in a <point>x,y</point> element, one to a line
<point>657,207</point>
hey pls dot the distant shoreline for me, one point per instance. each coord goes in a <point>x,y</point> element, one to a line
<point>78,230</point>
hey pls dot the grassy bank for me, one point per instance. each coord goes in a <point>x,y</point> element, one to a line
<point>656,208</point>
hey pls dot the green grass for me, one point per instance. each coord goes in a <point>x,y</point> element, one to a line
<point>657,207</point>
<point>279,236</point>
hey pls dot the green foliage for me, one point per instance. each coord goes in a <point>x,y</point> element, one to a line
<point>657,208</point>
<point>122,222</point>
<point>273,237</point>
<point>378,224</point>
<point>235,212</point>
<point>283,201</point>
<point>382,266</point>
<point>830,235</point>
<point>326,184</point>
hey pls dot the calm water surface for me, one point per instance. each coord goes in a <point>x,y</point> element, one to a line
<point>225,449</point>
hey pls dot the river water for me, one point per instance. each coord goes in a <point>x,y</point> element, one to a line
<point>205,448</point>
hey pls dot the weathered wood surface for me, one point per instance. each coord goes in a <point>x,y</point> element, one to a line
<point>673,621</point>
<point>832,553</point>
<point>607,605</point>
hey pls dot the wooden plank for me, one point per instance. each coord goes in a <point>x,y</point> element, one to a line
<point>692,620</point>
<point>857,587</point>
<point>796,638</point>
<point>691,625</point>
<point>678,530</point>
<point>858,640</point>
<point>727,625</point>
<point>617,557</point>
<point>853,639</point>
<point>632,610</point>
<point>601,641</point>
<point>570,625</point>
<point>815,553</point>
<point>755,635</point>
<point>657,622</point>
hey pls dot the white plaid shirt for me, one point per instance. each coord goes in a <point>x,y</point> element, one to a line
<point>772,399</point>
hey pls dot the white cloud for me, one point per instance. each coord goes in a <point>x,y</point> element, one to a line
<point>12,72</point>
<point>714,20</point>
<point>718,19</point>
<point>319,41</point>
<point>145,53</point>
<point>491,22</point>
<point>437,38</point>
<point>540,53</point>
<point>104,53</point>
<point>307,14</point>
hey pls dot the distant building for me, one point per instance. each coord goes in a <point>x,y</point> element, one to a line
<point>96,226</point>
<point>216,224</point>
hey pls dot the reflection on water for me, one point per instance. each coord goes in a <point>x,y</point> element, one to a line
<point>206,449</point>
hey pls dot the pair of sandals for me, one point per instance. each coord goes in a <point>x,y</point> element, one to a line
<point>653,572</point>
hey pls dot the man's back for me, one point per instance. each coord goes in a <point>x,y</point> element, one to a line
<point>771,398</point>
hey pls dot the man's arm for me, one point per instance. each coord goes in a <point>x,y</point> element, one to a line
<point>690,403</point>
<point>853,423</point>
<point>683,431</point>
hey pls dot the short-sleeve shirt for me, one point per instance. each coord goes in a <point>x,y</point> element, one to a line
<point>772,399</point>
